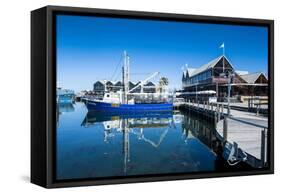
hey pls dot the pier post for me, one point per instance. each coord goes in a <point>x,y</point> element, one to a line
<point>218,111</point>
<point>262,148</point>
<point>258,109</point>
<point>225,126</point>
<point>216,119</point>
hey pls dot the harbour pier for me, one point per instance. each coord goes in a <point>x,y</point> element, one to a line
<point>249,131</point>
<point>204,109</point>
<point>244,131</point>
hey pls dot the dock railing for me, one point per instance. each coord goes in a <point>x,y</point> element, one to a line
<point>257,103</point>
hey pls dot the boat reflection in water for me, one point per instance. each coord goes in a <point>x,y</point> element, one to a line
<point>63,108</point>
<point>66,107</point>
<point>105,145</point>
<point>135,124</point>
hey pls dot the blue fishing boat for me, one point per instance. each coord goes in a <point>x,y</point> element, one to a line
<point>125,101</point>
<point>127,108</point>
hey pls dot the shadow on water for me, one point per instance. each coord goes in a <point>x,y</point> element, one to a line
<point>204,130</point>
<point>106,145</point>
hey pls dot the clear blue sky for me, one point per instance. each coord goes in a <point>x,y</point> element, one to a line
<point>89,48</point>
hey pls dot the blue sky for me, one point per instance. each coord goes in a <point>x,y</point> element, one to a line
<point>89,48</point>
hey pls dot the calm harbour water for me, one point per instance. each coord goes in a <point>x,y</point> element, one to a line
<point>98,145</point>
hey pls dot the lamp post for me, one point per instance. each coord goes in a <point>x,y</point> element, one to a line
<point>228,92</point>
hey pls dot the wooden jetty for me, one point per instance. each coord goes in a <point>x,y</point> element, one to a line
<point>245,129</point>
<point>251,106</point>
<point>248,130</point>
<point>206,109</point>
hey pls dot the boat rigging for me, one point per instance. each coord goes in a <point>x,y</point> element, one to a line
<point>125,100</point>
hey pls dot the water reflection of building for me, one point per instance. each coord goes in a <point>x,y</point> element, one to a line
<point>226,156</point>
<point>205,132</point>
<point>200,129</point>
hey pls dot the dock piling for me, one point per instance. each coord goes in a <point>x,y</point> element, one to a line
<point>258,109</point>
<point>216,119</point>
<point>218,112</point>
<point>225,126</point>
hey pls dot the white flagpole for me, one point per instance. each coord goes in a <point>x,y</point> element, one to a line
<point>223,56</point>
<point>223,52</point>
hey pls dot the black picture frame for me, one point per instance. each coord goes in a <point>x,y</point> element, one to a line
<point>43,90</point>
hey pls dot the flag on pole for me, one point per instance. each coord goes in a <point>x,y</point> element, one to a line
<point>222,46</point>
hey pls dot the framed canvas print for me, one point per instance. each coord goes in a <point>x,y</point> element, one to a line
<point>126,96</point>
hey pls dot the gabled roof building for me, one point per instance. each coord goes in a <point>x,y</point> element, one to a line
<point>102,86</point>
<point>255,78</point>
<point>215,75</point>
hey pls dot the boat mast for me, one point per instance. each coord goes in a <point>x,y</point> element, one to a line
<point>126,77</point>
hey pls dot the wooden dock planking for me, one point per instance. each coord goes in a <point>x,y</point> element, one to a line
<point>245,128</point>
<point>246,136</point>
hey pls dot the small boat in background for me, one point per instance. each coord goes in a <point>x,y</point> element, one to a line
<point>65,96</point>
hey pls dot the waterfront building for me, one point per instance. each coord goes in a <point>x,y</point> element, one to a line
<point>132,85</point>
<point>118,86</point>
<point>109,85</point>
<point>99,86</point>
<point>149,87</point>
<point>102,86</point>
<point>217,74</point>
